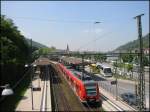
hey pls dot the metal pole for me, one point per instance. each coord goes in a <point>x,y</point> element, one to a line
<point>116,81</point>
<point>116,89</point>
<point>39,81</point>
<point>31,75</point>
<point>141,76</point>
<point>32,87</point>
<point>82,66</point>
<point>2,61</point>
<point>31,50</point>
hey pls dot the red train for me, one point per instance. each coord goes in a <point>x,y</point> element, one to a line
<point>86,89</point>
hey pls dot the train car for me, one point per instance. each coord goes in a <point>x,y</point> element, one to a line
<point>85,88</point>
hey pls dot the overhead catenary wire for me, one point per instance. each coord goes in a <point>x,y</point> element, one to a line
<point>99,37</point>
<point>56,20</point>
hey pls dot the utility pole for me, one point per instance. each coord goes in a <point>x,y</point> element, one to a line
<point>82,66</point>
<point>141,75</point>
<point>30,50</point>
<point>116,81</point>
<point>31,74</point>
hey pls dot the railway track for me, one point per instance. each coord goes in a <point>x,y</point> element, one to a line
<point>92,107</point>
<point>43,106</point>
<point>109,104</point>
<point>116,107</point>
<point>62,103</point>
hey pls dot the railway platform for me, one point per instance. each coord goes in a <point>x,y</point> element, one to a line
<point>41,97</point>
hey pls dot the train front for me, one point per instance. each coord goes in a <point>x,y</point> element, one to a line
<point>92,91</point>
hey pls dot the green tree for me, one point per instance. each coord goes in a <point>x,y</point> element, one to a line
<point>100,57</point>
<point>145,61</point>
<point>45,51</point>
<point>13,44</point>
<point>14,51</point>
<point>129,67</point>
<point>127,58</point>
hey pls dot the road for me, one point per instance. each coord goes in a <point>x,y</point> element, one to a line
<point>135,74</point>
<point>123,86</point>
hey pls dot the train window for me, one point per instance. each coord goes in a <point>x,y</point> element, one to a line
<point>90,84</point>
<point>90,89</point>
<point>87,78</point>
<point>77,75</point>
<point>91,92</point>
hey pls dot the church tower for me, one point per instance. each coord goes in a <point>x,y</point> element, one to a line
<point>67,50</point>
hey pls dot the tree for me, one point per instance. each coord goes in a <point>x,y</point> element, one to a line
<point>14,51</point>
<point>127,58</point>
<point>13,44</point>
<point>100,57</point>
<point>129,67</point>
<point>145,61</point>
<point>45,51</point>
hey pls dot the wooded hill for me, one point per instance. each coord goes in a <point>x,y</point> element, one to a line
<point>35,44</point>
<point>134,44</point>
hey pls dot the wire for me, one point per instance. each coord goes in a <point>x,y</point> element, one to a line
<point>54,20</point>
<point>93,40</point>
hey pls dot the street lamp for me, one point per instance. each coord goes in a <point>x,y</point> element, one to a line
<point>97,22</point>
<point>7,90</point>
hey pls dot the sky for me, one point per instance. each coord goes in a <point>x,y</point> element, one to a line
<point>58,23</point>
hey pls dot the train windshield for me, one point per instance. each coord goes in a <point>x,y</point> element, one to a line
<point>107,70</point>
<point>90,89</point>
<point>86,78</point>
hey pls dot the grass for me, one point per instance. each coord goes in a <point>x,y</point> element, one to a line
<point>10,102</point>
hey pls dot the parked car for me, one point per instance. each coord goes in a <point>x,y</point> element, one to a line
<point>130,98</point>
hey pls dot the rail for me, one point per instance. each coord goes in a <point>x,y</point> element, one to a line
<point>64,102</point>
<point>44,93</point>
<point>111,103</point>
<point>116,106</point>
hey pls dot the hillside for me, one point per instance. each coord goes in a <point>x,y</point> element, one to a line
<point>35,44</point>
<point>134,44</point>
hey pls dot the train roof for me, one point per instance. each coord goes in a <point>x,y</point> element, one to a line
<point>85,77</point>
<point>91,82</point>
